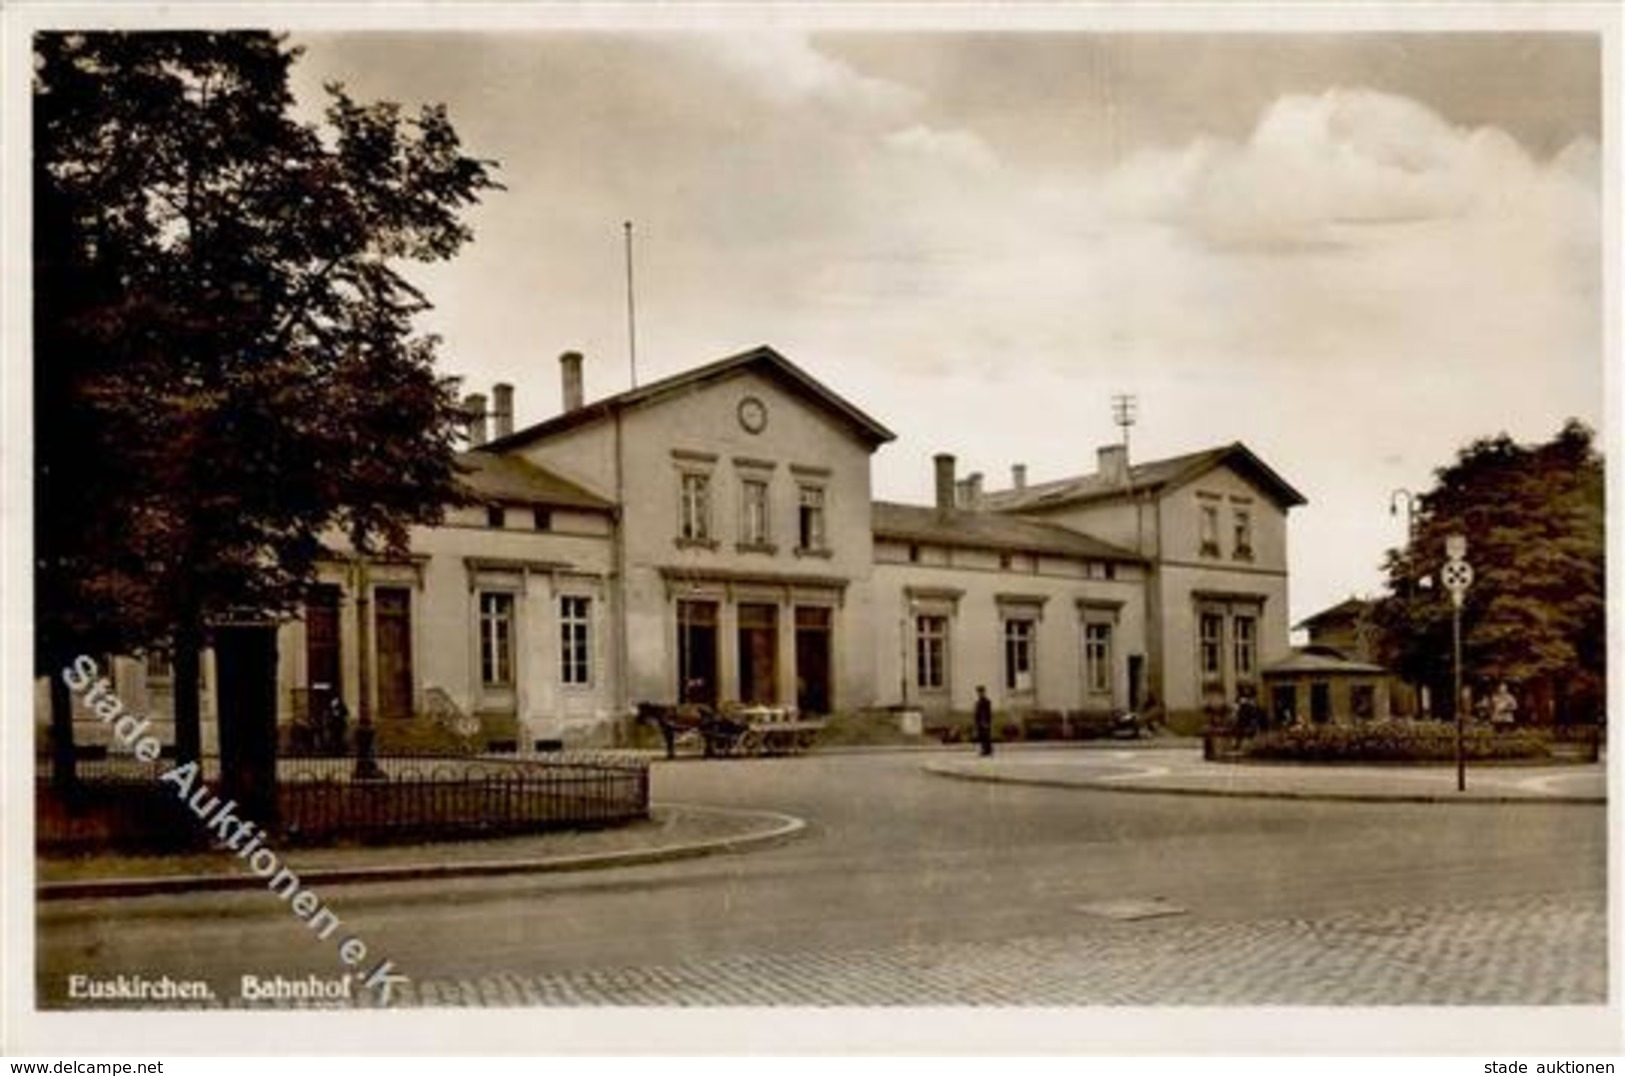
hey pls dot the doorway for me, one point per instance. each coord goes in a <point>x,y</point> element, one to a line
<point>1320,702</point>
<point>697,653</point>
<point>758,654</point>
<point>812,659</point>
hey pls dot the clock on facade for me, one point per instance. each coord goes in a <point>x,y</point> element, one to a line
<point>752,414</point>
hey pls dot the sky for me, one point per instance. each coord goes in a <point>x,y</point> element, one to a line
<point>1355,253</point>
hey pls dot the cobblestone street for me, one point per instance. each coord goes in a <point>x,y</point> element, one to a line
<point>1543,951</point>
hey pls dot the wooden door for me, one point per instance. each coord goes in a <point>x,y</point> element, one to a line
<point>812,659</point>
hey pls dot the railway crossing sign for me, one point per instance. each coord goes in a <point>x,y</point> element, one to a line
<point>1457,576</point>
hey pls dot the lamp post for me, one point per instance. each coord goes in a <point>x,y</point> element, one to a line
<point>1457,576</point>
<point>1408,499</point>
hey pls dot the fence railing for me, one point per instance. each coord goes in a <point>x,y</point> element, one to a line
<point>123,802</point>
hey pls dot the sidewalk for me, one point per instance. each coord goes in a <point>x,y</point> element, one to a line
<point>674,831</point>
<point>1183,772</point>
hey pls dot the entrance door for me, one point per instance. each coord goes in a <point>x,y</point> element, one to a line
<point>322,652</point>
<point>392,616</point>
<point>1320,702</point>
<point>812,659</point>
<point>1284,704</point>
<point>697,652</point>
<point>758,654</point>
<point>1136,682</point>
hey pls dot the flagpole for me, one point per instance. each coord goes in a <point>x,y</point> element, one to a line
<point>631,309</point>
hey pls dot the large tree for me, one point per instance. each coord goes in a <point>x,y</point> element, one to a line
<point>226,365</point>
<point>1534,615</point>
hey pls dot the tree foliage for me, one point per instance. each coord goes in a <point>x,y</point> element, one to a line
<point>226,365</point>
<point>1535,613</point>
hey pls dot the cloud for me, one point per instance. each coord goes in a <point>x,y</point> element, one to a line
<point>787,69</point>
<point>957,147</point>
<point>1318,170</point>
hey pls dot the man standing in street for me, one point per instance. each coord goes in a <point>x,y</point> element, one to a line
<point>984,720</point>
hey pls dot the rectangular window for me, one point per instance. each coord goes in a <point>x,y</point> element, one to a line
<point>753,513</point>
<point>1243,520</point>
<point>931,652</point>
<point>1210,530</point>
<point>1097,658</point>
<point>158,666</point>
<point>1212,646</point>
<point>496,639</point>
<point>694,516</point>
<point>810,533</point>
<point>541,519</point>
<point>1245,630</point>
<point>1018,655</point>
<point>495,516</point>
<point>575,640</point>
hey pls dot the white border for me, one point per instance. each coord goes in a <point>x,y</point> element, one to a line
<point>1409,1031</point>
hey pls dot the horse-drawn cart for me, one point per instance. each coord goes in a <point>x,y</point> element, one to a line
<point>732,730</point>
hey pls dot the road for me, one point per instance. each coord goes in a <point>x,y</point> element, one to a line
<point>914,888</point>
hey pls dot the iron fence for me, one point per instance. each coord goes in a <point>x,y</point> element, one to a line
<point>122,802</point>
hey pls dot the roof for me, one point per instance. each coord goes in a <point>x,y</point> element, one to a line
<point>492,477</point>
<point>1348,609</point>
<point>1146,477</point>
<point>1320,663</point>
<point>987,530</point>
<point>761,359</point>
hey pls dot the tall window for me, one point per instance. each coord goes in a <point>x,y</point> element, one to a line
<point>496,639</point>
<point>1018,655</point>
<point>1243,520</point>
<point>810,535</point>
<point>1245,630</point>
<point>694,513</point>
<point>1209,534</point>
<point>1212,646</point>
<point>575,640</point>
<point>931,652</point>
<point>753,513</point>
<point>1097,658</point>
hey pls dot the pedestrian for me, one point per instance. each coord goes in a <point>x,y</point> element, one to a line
<point>984,720</point>
<point>1503,707</point>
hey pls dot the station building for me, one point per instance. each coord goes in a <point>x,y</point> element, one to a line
<point>712,537</point>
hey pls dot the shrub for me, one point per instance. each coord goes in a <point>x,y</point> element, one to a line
<point>865,728</point>
<point>1392,741</point>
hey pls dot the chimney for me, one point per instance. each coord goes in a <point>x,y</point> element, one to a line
<point>973,491</point>
<point>502,409</point>
<point>1113,463</point>
<point>474,408</point>
<point>945,482</point>
<point>1018,476</point>
<point>570,367</point>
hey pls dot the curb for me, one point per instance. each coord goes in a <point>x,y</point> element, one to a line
<point>786,827</point>
<point>1269,794</point>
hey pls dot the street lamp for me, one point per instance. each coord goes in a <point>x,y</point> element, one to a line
<point>1457,576</point>
<point>1408,499</point>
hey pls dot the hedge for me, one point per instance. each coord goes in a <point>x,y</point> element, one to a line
<point>1392,741</point>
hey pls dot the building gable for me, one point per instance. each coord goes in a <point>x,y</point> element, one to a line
<point>762,360</point>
